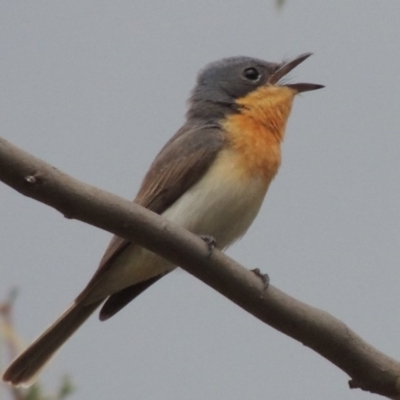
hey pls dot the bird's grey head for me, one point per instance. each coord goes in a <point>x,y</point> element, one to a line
<point>220,83</point>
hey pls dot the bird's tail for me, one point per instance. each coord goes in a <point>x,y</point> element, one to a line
<point>27,366</point>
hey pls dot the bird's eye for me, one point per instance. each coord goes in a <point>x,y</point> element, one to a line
<point>252,74</point>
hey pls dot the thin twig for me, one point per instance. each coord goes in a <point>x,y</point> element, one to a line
<point>369,369</point>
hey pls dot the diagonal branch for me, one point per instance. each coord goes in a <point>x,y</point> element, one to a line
<point>368,368</point>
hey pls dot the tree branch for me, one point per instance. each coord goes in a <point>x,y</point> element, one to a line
<point>368,368</point>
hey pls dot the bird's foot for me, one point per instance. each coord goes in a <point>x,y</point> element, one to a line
<point>264,277</point>
<point>210,242</point>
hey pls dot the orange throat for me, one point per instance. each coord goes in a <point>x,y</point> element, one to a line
<point>257,130</point>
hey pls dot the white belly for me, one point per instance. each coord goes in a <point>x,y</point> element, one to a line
<point>223,204</point>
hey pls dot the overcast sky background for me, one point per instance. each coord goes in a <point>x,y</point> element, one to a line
<point>97,87</point>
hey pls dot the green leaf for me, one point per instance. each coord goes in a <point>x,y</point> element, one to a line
<point>66,388</point>
<point>280,3</point>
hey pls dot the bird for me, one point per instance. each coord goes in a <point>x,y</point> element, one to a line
<point>211,178</point>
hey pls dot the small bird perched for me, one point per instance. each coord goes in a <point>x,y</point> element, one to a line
<point>211,178</point>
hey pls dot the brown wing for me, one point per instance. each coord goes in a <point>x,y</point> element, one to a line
<point>180,164</point>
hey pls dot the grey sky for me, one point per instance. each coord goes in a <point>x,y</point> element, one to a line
<point>96,88</point>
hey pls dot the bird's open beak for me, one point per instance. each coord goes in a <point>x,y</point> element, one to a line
<point>285,68</point>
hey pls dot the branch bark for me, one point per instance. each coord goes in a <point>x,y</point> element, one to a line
<point>369,369</point>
